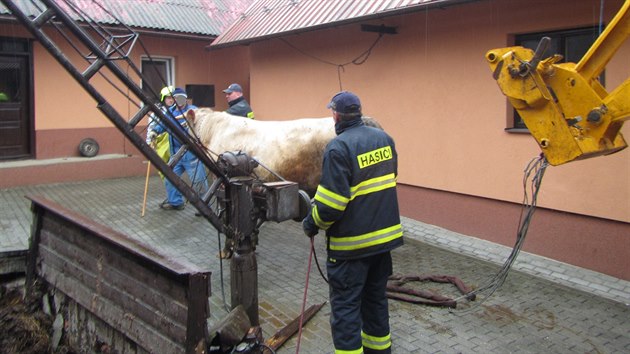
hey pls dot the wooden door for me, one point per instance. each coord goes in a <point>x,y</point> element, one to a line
<point>15,121</point>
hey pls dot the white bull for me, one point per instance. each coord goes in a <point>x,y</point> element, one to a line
<point>293,148</point>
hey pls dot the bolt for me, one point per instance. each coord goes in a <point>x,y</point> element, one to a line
<point>594,116</point>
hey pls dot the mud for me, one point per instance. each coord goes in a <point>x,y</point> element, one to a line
<point>24,327</point>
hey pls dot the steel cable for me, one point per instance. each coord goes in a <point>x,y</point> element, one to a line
<point>358,60</point>
<point>308,272</point>
<point>533,175</point>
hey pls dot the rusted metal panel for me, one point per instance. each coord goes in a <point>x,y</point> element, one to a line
<point>154,301</point>
<point>269,18</point>
<point>282,201</point>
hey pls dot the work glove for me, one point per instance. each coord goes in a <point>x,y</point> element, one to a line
<point>310,229</point>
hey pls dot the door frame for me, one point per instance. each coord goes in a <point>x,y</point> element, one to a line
<point>27,103</point>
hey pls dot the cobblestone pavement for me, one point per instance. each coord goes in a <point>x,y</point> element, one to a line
<point>576,311</point>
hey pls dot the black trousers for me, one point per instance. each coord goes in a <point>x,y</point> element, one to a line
<point>360,314</point>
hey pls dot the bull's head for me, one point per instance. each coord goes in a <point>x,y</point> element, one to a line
<point>191,119</point>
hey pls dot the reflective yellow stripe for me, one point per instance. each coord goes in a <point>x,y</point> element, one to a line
<point>339,202</point>
<point>356,351</point>
<point>331,199</point>
<point>366,240</point>
<point>373,185</point>
<point>376,343</point>
<point>324,225</point>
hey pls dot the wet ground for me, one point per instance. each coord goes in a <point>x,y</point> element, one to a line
<point>528,314</point>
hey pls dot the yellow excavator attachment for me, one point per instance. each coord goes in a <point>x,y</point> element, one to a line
<point>566,109</point>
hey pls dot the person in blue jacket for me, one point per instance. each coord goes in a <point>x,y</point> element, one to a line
<point>159,142</point>
<point>357,205</point>
<point>189,163</point>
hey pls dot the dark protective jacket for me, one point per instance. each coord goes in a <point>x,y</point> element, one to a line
<point>240,107</point>
<point>356,201</point>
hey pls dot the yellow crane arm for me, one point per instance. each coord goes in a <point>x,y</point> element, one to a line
<point>566,109</point>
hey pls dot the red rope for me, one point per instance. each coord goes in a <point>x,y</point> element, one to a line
<point>308,272</point>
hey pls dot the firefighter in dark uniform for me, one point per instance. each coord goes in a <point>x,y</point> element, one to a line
<point>236,101</point>
<point>356,204</point>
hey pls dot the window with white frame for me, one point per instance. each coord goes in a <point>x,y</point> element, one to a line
<point>157,72</point>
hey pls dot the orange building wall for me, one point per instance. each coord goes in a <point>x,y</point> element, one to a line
<point>60,100</point>
<point>64,110</point>
<point>432,90</point>
<point>228,66</point>
<point>64,113</point>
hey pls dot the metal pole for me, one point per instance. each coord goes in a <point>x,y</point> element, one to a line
<point>243,266</point>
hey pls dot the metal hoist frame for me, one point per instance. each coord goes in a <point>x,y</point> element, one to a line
<point>564,106</point>
<point>247,201</point>
<point>104,56</point>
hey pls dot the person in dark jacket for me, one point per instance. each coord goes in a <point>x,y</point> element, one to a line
<point>356,204</point>
<point>237,102</point>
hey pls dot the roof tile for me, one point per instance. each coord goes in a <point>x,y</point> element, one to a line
<point>199,17</point>
<point>270,18</point>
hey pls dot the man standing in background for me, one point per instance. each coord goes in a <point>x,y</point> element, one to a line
<point>237,102</point>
